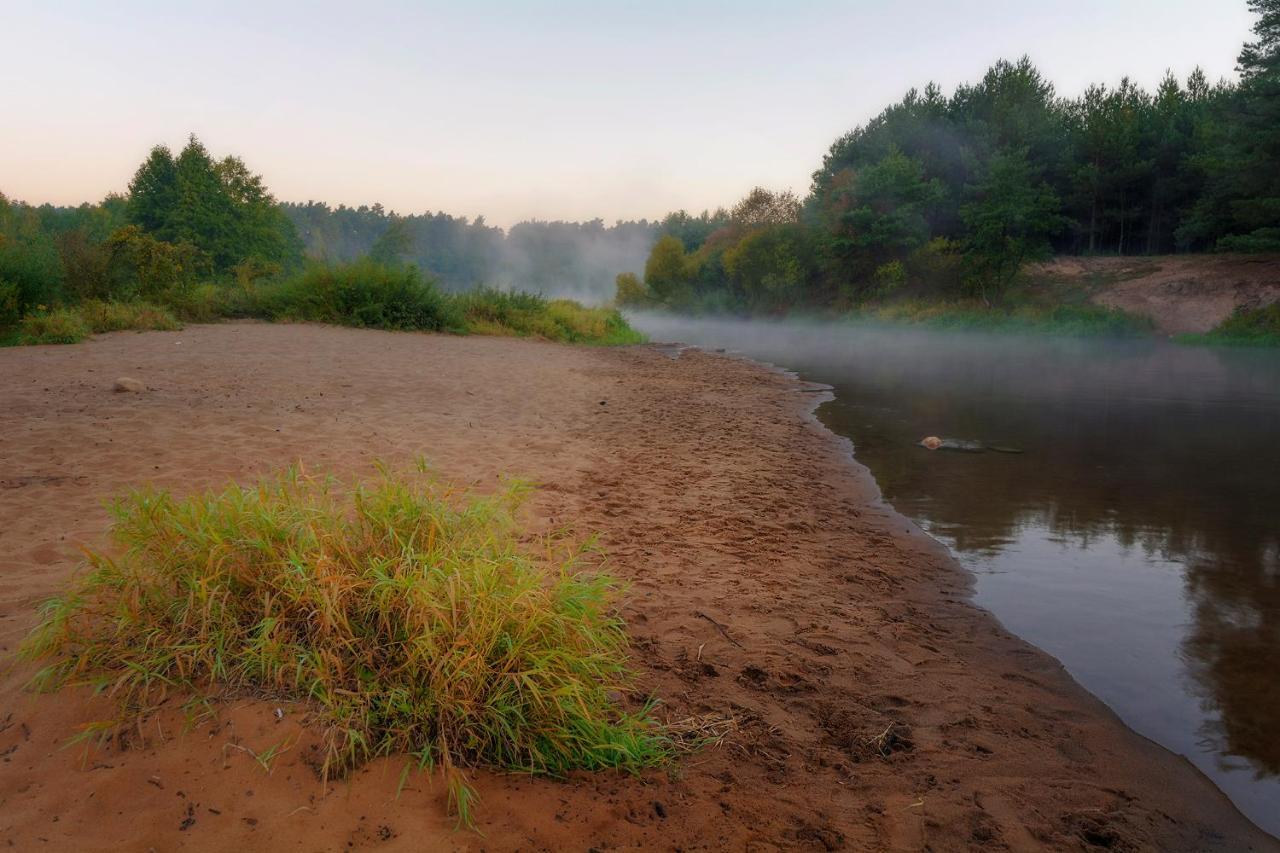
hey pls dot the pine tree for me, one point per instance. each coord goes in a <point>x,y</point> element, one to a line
<point>153,193</point>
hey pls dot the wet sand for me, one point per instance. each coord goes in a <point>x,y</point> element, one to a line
<point>875,708</point>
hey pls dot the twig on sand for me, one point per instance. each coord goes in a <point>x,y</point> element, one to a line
<point>703,730</point>
<point>883,744</point>
<point>723,629</point>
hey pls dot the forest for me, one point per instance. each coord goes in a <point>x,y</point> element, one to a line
<point>190,220</point>
<point>198,238</point>
<point>949,196</point>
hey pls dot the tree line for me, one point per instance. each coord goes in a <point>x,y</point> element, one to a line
<point>190,218</point>
<point>951,195</point>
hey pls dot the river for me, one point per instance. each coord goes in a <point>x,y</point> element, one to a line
<point>1136,537</point>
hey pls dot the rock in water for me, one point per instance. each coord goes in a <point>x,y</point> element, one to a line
<point>132,386</point>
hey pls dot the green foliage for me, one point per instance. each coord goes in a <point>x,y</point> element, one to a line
<point>935,267</point>
<point>361,294</point>
<point>101,316</point>
<point>153,192</point>
<point>1083,320</point>
<point>629,290</point>
<point>497,312</point>
<point>205,303</point>
<point>59,326</point>
<point>889,278</point>
<point>394,244</point>
<point>72,325</point>
<point>219,207</point>
<point>140,266</point>
<point>10,304</point>
<point>693,231</point>
<point>1239,209</point>
<point>667,272</point>
<point>87,266</point>
<point>413,618</point>
<point>28,257</point>
<point>1258,327</point>
<point>878,213</point>
<point>252,270</point>
<point>500,308</point>
<point>769,268</point>
<point>1010,217</point>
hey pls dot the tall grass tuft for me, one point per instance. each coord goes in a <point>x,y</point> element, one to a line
<point>102,316</point>
<point>59,326</point>
<point>91,317</point>
<point>498,312</point>
<point>408,614</point>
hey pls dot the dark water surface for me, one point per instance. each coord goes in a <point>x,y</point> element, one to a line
<point>1136,538</point>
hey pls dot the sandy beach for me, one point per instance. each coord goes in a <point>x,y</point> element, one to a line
<point>868,704</point>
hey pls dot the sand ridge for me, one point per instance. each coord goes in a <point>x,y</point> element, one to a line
<point>874,707</point>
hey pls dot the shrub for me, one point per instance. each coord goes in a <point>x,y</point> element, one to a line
<point>60,326</point>
<point>142,266</point>
<point>207,302</point>
<point>889,278</point>
<point>630,290</point>
<point>410,616</point>
<point>513,309</point>
<point>102,316</point>
<point>1246,327</point>
<point>500,312</point>
<point>87,266</point>
<point>935,267</point>
<point>361,293</point>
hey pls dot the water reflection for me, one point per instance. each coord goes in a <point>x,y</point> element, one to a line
<point>1138,536</point>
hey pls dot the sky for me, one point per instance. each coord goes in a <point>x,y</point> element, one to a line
<point>551,110</point>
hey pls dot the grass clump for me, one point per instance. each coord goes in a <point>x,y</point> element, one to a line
<point>409,615</point>
<point>102,316</point>
<point>59,326</point>
<point>498,312</point>
<point>91,317</point>
<point>363,294</point>
<point>1257,327</point>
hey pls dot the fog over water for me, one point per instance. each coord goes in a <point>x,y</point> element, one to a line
<point>1136,537</point>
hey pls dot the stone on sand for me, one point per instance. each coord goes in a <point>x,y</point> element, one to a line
<point>126,384</point>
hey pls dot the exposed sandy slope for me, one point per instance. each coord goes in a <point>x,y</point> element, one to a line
<point>1181,293</point>
<point>767,583</point>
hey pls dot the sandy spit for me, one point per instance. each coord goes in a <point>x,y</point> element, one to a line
<point>874,707</point>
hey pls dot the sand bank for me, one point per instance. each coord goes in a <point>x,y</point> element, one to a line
<point>874,707</point>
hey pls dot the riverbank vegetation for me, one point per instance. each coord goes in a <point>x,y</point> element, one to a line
<point>413,619</point>
<point>198,239</point>
<point>1245,327</point>
<point>944,199</point>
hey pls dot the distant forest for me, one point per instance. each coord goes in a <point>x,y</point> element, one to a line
<point>949,196</point>
<point>190,217</point>
<point>940,196</point>
<point>573,259</point>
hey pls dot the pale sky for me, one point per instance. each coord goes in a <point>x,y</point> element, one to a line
<point>555,110</point>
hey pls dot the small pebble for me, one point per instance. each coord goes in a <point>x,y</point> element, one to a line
<point>125,384</point>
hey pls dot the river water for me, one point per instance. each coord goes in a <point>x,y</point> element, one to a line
<point>1137,535</point>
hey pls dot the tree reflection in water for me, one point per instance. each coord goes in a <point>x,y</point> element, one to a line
<point>1140,458</point>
